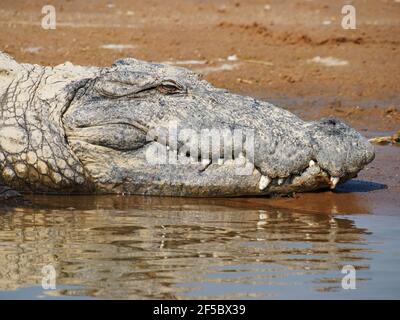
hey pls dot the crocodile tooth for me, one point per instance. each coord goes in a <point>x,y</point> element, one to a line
<point>280,181</point>
<point>264,182</point>
<point>312,163</point>
<point>334,181</point>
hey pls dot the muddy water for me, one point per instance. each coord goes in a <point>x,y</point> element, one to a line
<point>137,247</point>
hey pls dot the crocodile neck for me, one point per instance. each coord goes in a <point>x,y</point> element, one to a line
<point>34,153</point>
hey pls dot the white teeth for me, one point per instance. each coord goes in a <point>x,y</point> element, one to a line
<point>334,181</point>
<point>280,181</point>
<point>264,182</point>
<point>312,163</point>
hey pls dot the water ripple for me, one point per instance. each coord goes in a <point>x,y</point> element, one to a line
<point>146,249</point>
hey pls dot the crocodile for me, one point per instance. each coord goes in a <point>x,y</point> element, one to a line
<point>84,129</point>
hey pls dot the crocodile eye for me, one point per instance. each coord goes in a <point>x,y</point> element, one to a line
<point>170,87</point>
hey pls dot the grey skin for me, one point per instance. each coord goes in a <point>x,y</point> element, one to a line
<point>74,129</point>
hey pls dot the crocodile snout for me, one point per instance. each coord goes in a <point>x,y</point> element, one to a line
<point>339,149</point>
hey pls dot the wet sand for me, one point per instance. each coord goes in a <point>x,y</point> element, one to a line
<point>273,54</point>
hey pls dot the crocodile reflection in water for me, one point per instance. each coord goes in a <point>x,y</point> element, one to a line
<point>158,250</point>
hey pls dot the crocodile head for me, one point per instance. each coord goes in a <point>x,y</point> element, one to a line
<point>155,129</point>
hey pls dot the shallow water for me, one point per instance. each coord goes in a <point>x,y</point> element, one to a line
<point>137,247</point>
